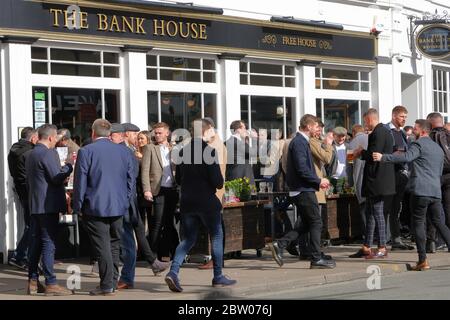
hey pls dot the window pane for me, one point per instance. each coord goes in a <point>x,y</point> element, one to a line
<point>435,79</point>
<point>152,74</point>
<point>110,57</point>
<point>180,75</point>
<point>444,102</point>
<point>364,76</point>
<point>435,101</point>
<point>243,66</point>
<point>112,108</point>
<point>152,103</point>
<point>340,85</point>
<point>174,62</point>
<point>39,67</point>
<point>209,64</point>
<point>340,113</point>
<point>290,119</point>
<point>210,107</point>
<point>319,109</point>
<point>111,72</point>
<point>265,68</point>
<point>76,109</point>
<point>289,82</point>
<point>318,83</point>
<point>75,55</point>
<point>244,110</point>
<point>289,71</point>
<point>340,74</point>
<point>364,86</point>
<point>178,110</point>
<point>244,79</point>
<point>151,61</point>
<point>364,107</point>
<point>75,70</point>
<point>267,112</point>
<point>266,81</point>
<point>317,72</point>
<point>38,53</point>
<point>209,77</point>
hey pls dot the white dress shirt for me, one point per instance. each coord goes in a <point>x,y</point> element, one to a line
<point>167,178</point>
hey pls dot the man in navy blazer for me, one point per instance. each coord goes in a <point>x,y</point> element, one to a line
<point>103,186</point>
<point>47,198</point>
<point>303,183</point>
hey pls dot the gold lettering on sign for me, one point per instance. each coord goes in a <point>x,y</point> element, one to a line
<point>102,22</point>
<point>83,20</point>
<point>184,35</point>
<point>114,24</point>
<point>203,35</point>
<point>139,27</point>
<point>174,28</point>
<point>56,13</point>
<point>158,29</point>
<point>194,29</point>
<point>127,25</point>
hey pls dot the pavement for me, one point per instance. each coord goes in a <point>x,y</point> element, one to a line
<point>254,275</point>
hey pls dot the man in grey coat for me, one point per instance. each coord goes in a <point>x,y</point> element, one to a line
<point>427,161</point>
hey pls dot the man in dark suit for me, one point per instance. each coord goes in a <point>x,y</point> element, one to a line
<point>239,153</point>
<point>427,162</point>
<point>47,198</point>
<point>303,183</point>
<point>102,192</point>
<point>199,176</point>
<point>16,162</point>
<point>378,182</point>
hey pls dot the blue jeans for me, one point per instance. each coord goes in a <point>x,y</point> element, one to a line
<point>128,247</point>
<point>44,228</point>
<point>190,222</point>
<point>21,252</point>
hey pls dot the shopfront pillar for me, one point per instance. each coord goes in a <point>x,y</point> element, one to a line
<point>307,99</point>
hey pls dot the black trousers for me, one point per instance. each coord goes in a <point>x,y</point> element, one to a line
<point>104,234</point>
<point>163,233</point>
<point>421,209</point>
<point>392,208</point>
<point>431,230</point>
<point>311,222</point>
<point>143,245</point>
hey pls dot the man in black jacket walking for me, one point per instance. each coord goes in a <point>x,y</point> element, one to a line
<point>198,173</point>
<point>16,162</point>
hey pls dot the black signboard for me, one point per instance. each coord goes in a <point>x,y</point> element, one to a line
<point>50,19</point>
<point>434,41</point>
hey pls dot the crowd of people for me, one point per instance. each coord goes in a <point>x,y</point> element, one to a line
<point>133,187</point>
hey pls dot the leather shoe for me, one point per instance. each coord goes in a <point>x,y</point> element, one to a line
<point>123,286</point>
<point>207,266</point>
<point>159,266</point>
<point>363,252</point>
<point>35,287</point>
<point>100,292</point>
<point>293,250</point>
<point>309,257</point>
<point>323,264</point>
<point>276,253</point>
<point>421,266</point>
<point>401,246</point>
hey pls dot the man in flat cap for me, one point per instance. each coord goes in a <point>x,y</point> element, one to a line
<point>338,167</point>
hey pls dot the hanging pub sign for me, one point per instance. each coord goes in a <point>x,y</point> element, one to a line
<point>434,41</point>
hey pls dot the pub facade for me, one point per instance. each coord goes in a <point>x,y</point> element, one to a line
<point>70,62</point>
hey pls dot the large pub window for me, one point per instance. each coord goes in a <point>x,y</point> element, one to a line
<point>441,92</point>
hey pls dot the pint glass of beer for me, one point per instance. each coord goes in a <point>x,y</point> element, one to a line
<point>349,156</point>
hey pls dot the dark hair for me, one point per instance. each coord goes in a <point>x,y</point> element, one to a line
<point>434,115</point>
<point>321,124</point>
<point>425,125</point>
<point>406,128</point>
<point>27,133</point>
<point>64,133</point>
<point>236,124</point>
<point>306,120</point>
<point>46,130</point>
<point>370,112</point>
<point>399,109</point>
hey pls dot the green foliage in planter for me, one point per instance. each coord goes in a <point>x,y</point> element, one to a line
<point>241,188</point>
